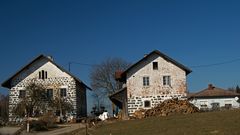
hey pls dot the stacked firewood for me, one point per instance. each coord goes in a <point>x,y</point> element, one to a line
<point>168,107</point>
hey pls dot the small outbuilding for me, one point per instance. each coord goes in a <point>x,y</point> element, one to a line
<point>213,98</point>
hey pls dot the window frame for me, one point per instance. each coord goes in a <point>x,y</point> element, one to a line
<point>146,81</point>
<point>63,92</point>
<point>167,80</point>
<point>21,95</point>
<point>147,104</point>
<point>49,95</point>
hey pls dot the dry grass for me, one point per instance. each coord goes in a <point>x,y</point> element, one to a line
<point>211,123</point>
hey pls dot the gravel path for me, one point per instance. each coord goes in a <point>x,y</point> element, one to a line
<point>65,129</point>
<point>8,130</point>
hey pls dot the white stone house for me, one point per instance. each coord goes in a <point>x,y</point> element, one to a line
<point>45,71</point>
<point>151,80</point>
<point>215,98</point>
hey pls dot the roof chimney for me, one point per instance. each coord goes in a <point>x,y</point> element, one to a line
<point>145,55</point>
<point>210,87</point>
<point>118,74</point>
<point>50,57</point>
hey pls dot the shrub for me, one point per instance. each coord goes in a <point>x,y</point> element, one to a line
<point>38,125</point>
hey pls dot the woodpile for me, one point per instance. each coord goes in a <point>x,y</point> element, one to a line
<point>168,107</point>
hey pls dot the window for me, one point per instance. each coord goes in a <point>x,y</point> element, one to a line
<point>63,92</point>
<point>155,65</point>
<point>147,103</point>
<point>228,104</point>
<point>215,106</point>
<point>42,74</point>
<point>49,93</point>
<point>203,104</point>
<point>145,81</point>
<point>22,93</point>
<point>167,80</point>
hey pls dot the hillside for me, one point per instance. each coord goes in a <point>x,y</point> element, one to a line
<point>220,123</point>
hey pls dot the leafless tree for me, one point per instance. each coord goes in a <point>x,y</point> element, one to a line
<point>33,101</point>
<point>4,100</point>
<point>103,75</point>
<point>102,78</point>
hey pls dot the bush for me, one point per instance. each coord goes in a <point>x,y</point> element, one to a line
<point>49,119</point>
<point>38,125</point>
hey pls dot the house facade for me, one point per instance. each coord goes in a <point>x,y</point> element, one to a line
<point>43,70</point>
<point>213,98</point>
<point>151,80</point>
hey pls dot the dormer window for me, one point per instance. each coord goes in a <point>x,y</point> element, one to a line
<point>42,74</point>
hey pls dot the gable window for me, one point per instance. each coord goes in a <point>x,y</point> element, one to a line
<point>155,65</point>
<point>49,93</point>
<point>145,81</point>
<point>63,92</point>
<point>167,80</point>
<point>147,103</point>
<point>42,74</point>
<point>22,93</point>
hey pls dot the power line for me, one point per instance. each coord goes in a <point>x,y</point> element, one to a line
<point>195,66</point>
<point>78,63</point>
<point>216,64</point>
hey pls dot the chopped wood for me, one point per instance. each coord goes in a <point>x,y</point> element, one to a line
<point>166,108</point>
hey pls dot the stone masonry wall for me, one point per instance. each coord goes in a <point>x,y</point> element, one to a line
<point>56,79</point>
<point>156,92</point>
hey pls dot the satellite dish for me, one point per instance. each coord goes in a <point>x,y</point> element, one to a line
<point>236,98</point>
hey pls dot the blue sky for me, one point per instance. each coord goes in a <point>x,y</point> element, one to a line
<point>193,32</point>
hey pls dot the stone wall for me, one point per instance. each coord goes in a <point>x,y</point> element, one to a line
<point>56,79</point>
<point>156,92</point>
<point>137,102</point>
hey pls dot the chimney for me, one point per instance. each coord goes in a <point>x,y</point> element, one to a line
<point>118,75</point>
<point>210,87</point>
<point>50,57</point>
<point>145,55</point>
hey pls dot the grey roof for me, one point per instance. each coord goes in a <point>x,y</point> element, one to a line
<point>163,56</point>
<point>7,83</point>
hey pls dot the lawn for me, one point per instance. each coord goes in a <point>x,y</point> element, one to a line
<point>210,123</point>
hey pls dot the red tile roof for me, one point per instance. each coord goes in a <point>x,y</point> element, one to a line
<point>213,91</point>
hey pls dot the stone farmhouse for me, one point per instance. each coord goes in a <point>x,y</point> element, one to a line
<point>151,80</point>
<point>213,98</point>
<point>46,72</point>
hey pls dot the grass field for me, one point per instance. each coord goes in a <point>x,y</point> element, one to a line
<point>210,123</point>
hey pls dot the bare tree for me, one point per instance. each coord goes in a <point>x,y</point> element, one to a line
<point>103,75</point>
<point>60,104</point>
<point>4,101</point>
<point>103,80</point>
<point>32,101</point>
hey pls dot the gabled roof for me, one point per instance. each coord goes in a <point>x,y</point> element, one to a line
<point>164,56</point>
<point>7,83</point>
<point>212,91</point>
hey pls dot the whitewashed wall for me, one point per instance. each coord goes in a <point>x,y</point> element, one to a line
<point>221,101</point>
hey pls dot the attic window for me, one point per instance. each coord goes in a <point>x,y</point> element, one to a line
<point>42,74</point>
<point>155,65</point>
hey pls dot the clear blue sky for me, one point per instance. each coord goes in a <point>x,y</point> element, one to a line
<point>193,32</point>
